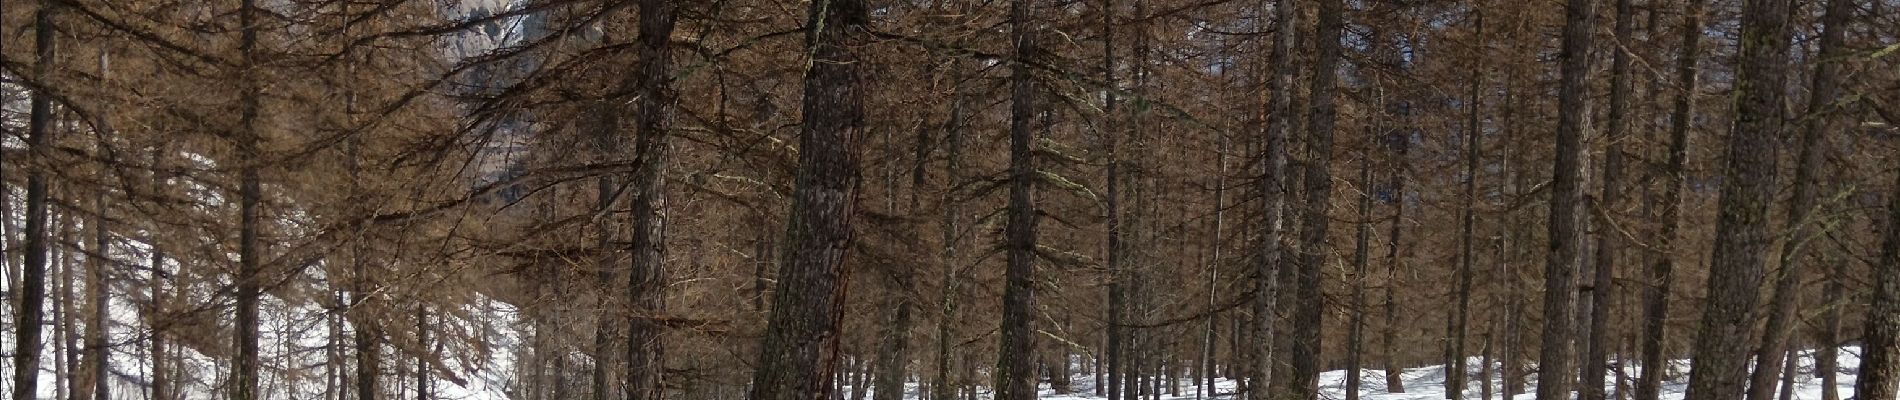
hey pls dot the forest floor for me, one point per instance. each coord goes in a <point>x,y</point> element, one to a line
<point>1428,383</point>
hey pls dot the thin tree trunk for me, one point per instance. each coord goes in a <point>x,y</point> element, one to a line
<point>1742,238</point>
<point>244,371</point>
<point>1596,348</point>
<point>800,347</point>
<point>1825,90</point>
<point>1389,335</point>
<point>1474,153</point>
<point>1554,380</point>
<point>95,359</point>
<point>1362,242</point>
<point>1827,353</point>
<point>30,316</point>
<point>1661,273</point>
<point>943,388</point>
<point>1274,198</point>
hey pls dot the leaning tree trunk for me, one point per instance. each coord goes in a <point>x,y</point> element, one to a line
<point>800,350</point>
<point>32,306</point>
<point>1825,90</point>
<point>1662,271</point>
<point>647,280</point>
<point>1016,364</point>
<point>1596,346</point>
<point>1742,238</point>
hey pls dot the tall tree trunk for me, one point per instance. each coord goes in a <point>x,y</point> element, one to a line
<point>1310,289</point>
<point>1662,271</point>
<point>1362,243</point>
<point>1554,380</point>
<point>1474,153</point>
<point>647,281</point>
<point>1280,122</point>
<point>161,381</point>
<point>1742,238</point>
<point>1389,335</point>
<point>1118,279</point>
<point>800,349</point>
<point>1204,385</point>
<point>30,316</point>
<point>1596,348</point>
<point>1824,92</point>
<point>1015,365</point>
<point>1879,368</point>
<point>943,388</point>
<point>244,371</point>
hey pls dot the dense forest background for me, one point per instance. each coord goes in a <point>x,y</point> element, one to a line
<point>770,199</point>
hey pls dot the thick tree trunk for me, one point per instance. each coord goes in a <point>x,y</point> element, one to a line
<point>1880,347</point>
<point>1015,365</point>
<point>1661,273</point>
<point>800,350</point>
<point>1596,347</point>
<point>1310,287</point>
<point>1554,379</point>
<point>1742,237</point>
<point>30,316</point>
<point>647,280</point>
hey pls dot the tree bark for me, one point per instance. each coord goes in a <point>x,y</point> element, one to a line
<point>1661,273</point>
<point>1554,380</point>
<point>1742,239</point>
<point>244,371</point>
<point>1016,365</point>
<point>647,282</point>
<point>30,316</point>
<point>1271,257</point>
<point>800,350</point>
<point>1824,92</point>
<point>1310,289</point>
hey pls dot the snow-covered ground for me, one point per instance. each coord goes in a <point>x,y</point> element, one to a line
<point>1427,383</point>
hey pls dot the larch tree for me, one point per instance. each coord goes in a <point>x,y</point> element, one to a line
<point>800,348</point>
<point>1742,237</point>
